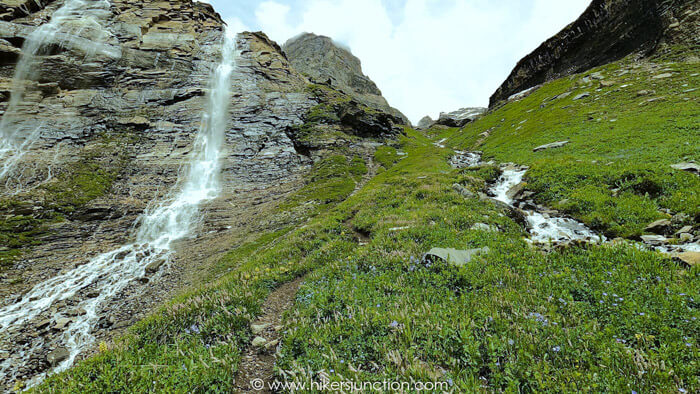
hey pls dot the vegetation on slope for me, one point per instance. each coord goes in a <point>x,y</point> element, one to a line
<point>610,318</point>
<point>626,123</point>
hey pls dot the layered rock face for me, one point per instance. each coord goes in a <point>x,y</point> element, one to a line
<point>326,62</point>
<point>115,127</point>
<point>607,31</point>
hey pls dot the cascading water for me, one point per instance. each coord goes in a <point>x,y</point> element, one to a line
<point>158,229</point>
<point>542,228</point>
<point>77,25</point>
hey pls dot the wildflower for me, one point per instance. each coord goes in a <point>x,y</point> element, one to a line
<point>556,348</point>
<point>450,382</point>
<point>511,342</point>
<point>688,344</point>
<point>394,324</point>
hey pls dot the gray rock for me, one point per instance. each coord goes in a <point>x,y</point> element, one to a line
<point>690,167</point>
<point>516,191</point>
<point>663,226</point>
<point>259,342</point>
<point>582,95</point>
<point>425,123</point>
<point>57,356</point>
<point>685,229</point>
<point>685,237</point>
<point>454,256</point>
<point>550,146</point>
<point>663,76</point>
<point>259,328</point>
<point>654,240</point>
<point>154,266</point>
<point>484,227</point>
<point>61,323</point>
<point>463,191</point>
<point>461,117</point>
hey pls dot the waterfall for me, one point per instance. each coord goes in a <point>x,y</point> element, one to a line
<point>157,229</point>
<point>76,25</point>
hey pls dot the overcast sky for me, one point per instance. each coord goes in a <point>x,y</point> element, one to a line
<point>427,56</point>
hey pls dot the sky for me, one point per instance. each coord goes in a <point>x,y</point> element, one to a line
<point>426,56</point>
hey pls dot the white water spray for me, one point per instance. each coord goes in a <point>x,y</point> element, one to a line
<point>542,228</point>
<point>76,25</point>
<point>158,228</point>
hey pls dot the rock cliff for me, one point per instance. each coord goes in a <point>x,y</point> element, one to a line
<point>326,62</point>
<point>607,31</point>
<point>114,127</point>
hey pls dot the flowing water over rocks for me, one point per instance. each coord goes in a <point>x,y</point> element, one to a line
<point>158,228</point>
<point>78,25</point>
<point>543,227</point>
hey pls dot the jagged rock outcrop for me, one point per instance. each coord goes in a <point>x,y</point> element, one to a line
<point>607,31</point>
<point>326,62</point>
<point>115,127</point>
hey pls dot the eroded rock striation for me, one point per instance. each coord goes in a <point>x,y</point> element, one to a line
<point>607,31</point>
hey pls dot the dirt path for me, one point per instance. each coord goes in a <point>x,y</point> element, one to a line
<point>259,360</point>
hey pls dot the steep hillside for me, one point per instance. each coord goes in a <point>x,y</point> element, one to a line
<point>607,31</point>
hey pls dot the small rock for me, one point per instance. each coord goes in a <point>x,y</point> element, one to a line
<point>685,237</point>
<point>57,356</point>
<point>483,227</point>
<point>258,328</point>
<point>690,167</point>
<point>61,323</point>
<point>663,226</point>
<point>654,240</point>
<point>645,93</point>
<point>272,344</point>
<point>154,266</point>
<point>663,76</point>
<point>606,84</point>
<point>688,258</point>
<point>550,146</point>
<point>462,190</point>
<point>582,95</point>
<point>685,229</point>
<point>259,342</point>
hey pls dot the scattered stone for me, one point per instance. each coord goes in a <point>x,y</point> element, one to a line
<point>454,256</point>
<point>550,146</point>
<point>688,258</point>
<point>61,323</point>
<point>654,240</point>
<point>606,84</point>
<point>663,226</point>
<point>463,191</point>
<point>272,344</point>
<point>259,342</point>
<point>663,76</point>
<point>154,266</point>
<point>484,227</point>
<point>515,191</point>
<point>581,96</point>
<point>685,229</point>
<point>259,328</point>
<point>57,356</point>
<point>690,167</point>
<point>685,237</point>
<point>645,93</point>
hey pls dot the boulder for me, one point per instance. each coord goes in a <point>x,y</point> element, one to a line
<point>550,146</point>
<point>154,266</point>
<point>259,342</point>
<point>454,256</point>
<point>690,259</point>
<point>685,237</point>
<point>690,167</point>
<point>654,240</point>
<point>516,191</point>
<point>463,191</point>
<point>663,226</point>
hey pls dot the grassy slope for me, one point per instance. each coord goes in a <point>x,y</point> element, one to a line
<point>612,318</point>
<point>614,174</point>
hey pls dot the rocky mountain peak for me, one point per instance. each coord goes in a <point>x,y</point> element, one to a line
<point>607,31</point>
<point>327,62</point>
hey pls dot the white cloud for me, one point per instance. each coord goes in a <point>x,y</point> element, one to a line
<point>426,56</point>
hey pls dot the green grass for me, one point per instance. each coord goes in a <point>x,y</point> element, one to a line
<point>614,174</point>
<point>601,318</point>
